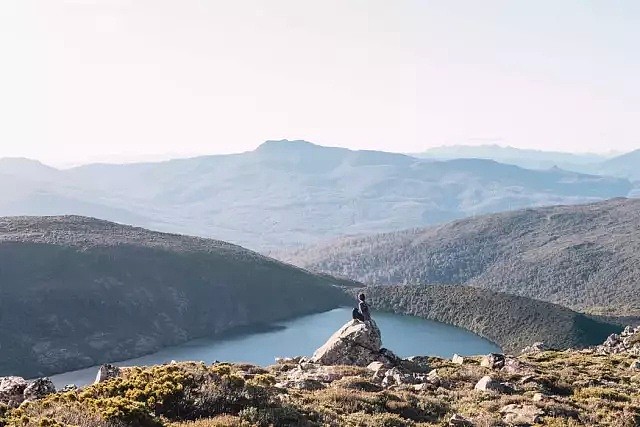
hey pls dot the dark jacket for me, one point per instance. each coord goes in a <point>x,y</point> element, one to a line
<point>363,307</point>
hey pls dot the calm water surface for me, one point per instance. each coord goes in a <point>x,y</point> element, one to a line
<point>404,335</point>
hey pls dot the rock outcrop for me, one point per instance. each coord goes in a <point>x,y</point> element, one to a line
<point>536,347</point>
<point>356,343</point>
<point>38,389</point>
<point>628,341</point>
<point>106,372</point>
<point>457,359</point>
<point>489,384</point>
<point>15,390</point>
<point>493,361</point>
<point>521,415</point>
<point>12,390</point>
<point>458,420</point>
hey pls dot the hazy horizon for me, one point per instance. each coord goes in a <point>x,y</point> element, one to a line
<point>126,158</point>
<point>117,80</point>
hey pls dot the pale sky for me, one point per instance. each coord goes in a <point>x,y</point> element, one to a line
<point>95,79</point>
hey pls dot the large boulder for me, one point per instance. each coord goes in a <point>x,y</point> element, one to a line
<point>493,361</point>
<point>489,384</point>
<point>107,372</point>
<point>356,343</point>
<point>537,347</point>
<point>12,390</point>
<point>38,389</point>
<point>521,414</point>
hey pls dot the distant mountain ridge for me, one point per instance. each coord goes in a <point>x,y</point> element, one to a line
<point>625,165</point>
<point>585,257</point>
<point>527,158</point>
<point>292,193</point>
<point>78,291</point>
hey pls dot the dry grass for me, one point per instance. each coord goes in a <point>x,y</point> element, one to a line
<point>578,390</point>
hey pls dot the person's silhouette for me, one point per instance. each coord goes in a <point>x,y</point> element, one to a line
<point>363,309</point>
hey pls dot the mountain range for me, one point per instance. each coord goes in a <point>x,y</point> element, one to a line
<point>619,165</point>
<point>584,257</point>
<point>291,193</point>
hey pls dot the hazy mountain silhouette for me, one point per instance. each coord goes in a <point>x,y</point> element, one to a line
<point>526,158</point>
<point>626,165</point>
<point>621,166</point>
<point>289,193</point>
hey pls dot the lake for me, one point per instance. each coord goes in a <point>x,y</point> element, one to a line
<point>404,335</point>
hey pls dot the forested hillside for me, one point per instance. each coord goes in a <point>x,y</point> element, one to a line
<point>76,292</point>
<point>584,257</point>
<point>510,321</point>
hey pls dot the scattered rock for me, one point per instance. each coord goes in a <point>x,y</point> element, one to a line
<point>537,347</point>
<point>515,366</point>
<point>38,389</point>
<point>288,360</point>
<point>379,371</point>
<point>527,378</point>
<point>379,375</point>
<point>375,366</point>
<point>521,414</point>
<point>69,387</point>
<point>422,361</point>
<point>538,397</point>
<point>314,372</point>
<point>458,360</point>
<point>628,341</point>
<point>12,390</point>
<point>458,420</point>
<point>434,378</point>
<point>302,384</point>
<point>493,361</point>
<point>395,376</point>
<point>106,372</point>
<point>422,387</point>
<point>489,384</point>
<point>416,364</point>
<point>388,357</point>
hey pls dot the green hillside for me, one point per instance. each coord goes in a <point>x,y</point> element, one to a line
<point>510,321</point>
<point>75,292</point>
<point>586,257</point>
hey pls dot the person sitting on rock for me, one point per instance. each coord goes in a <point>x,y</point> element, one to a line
<point>363,309</point>
<point>356,314</point>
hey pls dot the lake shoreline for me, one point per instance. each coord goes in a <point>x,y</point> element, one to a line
<point>233,332</point>
<point>405,335</point>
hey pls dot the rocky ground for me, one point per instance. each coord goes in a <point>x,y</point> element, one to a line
<point>352,381</point>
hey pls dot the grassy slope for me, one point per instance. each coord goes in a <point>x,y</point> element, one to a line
<point>578,389</point>
<point>584,257</point>
<point>78,291</point>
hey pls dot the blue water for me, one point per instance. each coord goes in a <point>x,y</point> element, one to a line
<point>404,335</point>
